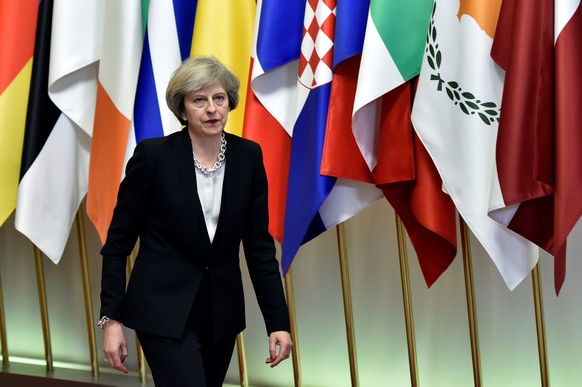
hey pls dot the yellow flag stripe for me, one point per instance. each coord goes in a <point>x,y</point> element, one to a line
<point>230,41</point>
<point>13,103</point>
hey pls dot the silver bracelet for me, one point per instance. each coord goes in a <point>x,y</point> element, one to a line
<point>102,321</point>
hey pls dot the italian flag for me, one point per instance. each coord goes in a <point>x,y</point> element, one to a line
<point>391,57</point>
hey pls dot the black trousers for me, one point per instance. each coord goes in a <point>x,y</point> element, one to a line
<point>194,360</point>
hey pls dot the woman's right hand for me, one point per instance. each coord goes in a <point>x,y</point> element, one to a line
<point>114,345</point>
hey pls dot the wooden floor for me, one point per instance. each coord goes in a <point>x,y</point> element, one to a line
<point>25,375</point>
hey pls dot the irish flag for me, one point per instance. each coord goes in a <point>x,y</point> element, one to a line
<point>118,71</point>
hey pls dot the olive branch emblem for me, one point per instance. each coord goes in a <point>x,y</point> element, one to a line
<point>467,102</point>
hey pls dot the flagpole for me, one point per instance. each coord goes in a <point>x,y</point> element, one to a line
<point>291,307</point>
<point>3,340</point>
<point>406,298</point>
<point>470,295</point>
<point>345,275</point>
<point>43,309</point>
<point>540,329</point>
<point>87,292</point>
<point>141,365</point>
<point>242,360</point>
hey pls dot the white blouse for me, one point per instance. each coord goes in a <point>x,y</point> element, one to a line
<point>210,195</point>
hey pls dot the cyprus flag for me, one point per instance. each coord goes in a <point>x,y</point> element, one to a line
<point>456,115</point>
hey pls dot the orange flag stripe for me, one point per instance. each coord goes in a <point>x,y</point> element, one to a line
<point>110,135</point>
<point>485,13</point>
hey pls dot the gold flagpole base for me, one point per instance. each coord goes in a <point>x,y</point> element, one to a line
<point>407,301</point>
<point>291,307</point>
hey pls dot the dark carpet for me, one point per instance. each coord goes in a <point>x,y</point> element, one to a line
<point>15,380</point>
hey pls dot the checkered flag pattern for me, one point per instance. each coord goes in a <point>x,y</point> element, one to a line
<point>316,57</point>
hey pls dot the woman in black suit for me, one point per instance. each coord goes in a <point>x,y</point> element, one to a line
<point>191,197</point>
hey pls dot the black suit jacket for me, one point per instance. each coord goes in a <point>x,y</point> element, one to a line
<point>158,202</point>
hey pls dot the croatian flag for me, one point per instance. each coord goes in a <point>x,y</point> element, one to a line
<point>286,113</point>
<point>307,189</point>
<point>315,202</point>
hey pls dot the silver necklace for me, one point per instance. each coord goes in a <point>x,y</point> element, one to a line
<point>219,159</point>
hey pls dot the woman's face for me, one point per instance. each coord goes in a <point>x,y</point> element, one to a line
<point>206,110</point>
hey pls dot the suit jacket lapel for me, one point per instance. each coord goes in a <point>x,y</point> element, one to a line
<point>189,192</point>
<point>228,187</point>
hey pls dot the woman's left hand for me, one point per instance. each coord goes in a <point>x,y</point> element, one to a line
<point>114,345</point>
<point>282,339</point>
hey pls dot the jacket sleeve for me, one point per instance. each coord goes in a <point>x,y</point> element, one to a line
<point>129,216</point>
<point>260,251</point>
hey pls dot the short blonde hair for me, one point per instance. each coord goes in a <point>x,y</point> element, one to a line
<point>195,73</point>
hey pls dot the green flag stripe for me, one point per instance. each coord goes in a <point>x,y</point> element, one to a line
<point>402,25</point>
<point>145,6</point>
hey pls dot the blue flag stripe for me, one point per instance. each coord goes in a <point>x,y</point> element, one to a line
<point>185,14</point>
<point>350,28</point>
<point>280,32</point>
<point>307,188</point>
<point>147,119</point>
<point>147,116</point>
